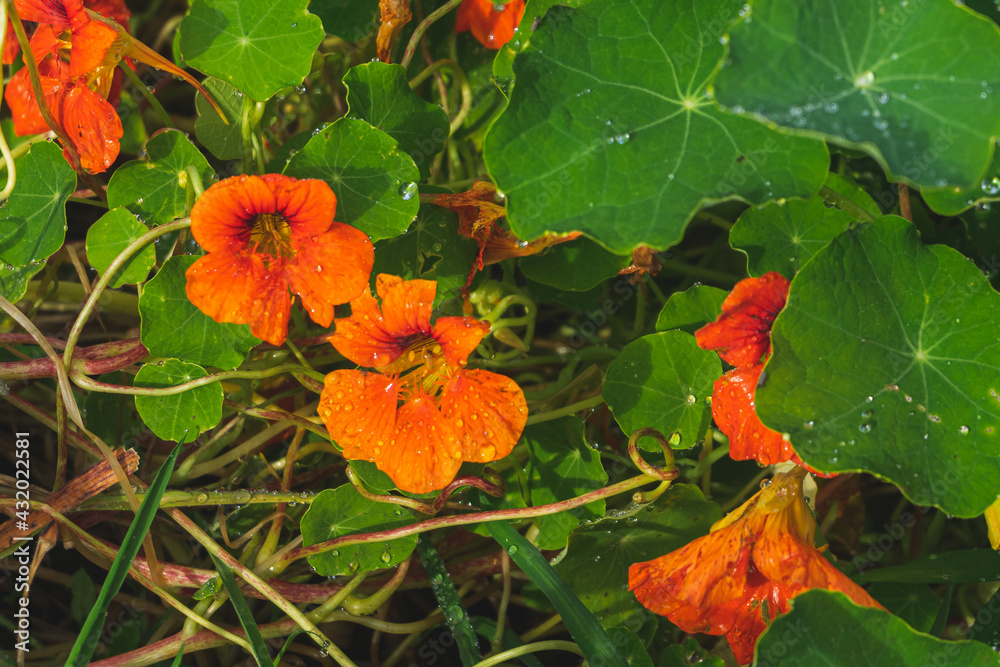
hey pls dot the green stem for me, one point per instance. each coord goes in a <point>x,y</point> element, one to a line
<point>102,284</point>
<point>463,83</point>
<point>148,94</point>
<point>550,645</point>
<point>419,31</point>
<point>591,402</point>
<point>842,202</point>
<point>86,382</point>
<point>203,499</point>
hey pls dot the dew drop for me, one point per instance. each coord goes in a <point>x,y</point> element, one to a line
<point>408,191</point>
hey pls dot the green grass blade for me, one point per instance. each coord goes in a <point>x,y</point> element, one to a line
<point>450,603</point>
<point>90,634</point>
<point>260,651</point>
<point>586,631</point>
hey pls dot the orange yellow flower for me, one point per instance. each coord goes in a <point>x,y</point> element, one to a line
<point>493,27</point>
<point>737,578</point>
<point>423,413</point>
<point>77,46</point>
<point>268,234</point>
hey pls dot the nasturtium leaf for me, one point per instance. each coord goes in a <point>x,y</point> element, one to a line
<point>825,627</point>
<point>374,479</point>
<point>33,220</point>
<point>986,629</point>
<point>431,249</point>
<point>224,141</point>
<point>380,94</point>
<point>352,20</point>
<point>663,381</point>
<point>109,236</point>
<point>886,359</point>
<point>600,553</point>
<point>513,497</point>
<point>258,46</point>
<point>156,186</point>
<point>374,180</point>
<point>182,415</point>
<point>561,466</point>
<point>962,566</point>
<point>898,82</point>
<point>344,511</point>
<point>630,647</point>
<point>611,129</point>
<point>14,279</point>
<point>915,604</point>
<point>134,134</point>
<point>691,309</point>
<point>577,265</point>
<point>954,200</point>
<point>173,326</point>
<point>846,194</point>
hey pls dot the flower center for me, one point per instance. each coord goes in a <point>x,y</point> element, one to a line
<point>270,235</point>
<point>420,367</point>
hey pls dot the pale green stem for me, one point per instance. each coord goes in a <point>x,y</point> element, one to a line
<point>551,645</point>
<point>591,402</point>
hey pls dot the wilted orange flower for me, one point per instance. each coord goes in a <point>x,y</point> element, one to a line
<point>78,51</point>
<point>268,234</point>
<point>742,337</point>
<point>737,578</point>
<point>423,413</point>
<point>492,27</point>
<point>479,214</point>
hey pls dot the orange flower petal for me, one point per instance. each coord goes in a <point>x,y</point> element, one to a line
<point>58,13</point>
<point>492,28</point>
<point>24,108</point>
<point>223,216</point>
<point>459,337</point>
<point>92,126</point>
<point>423,454</point>
<point>239,289</point>
<point>329,269</point>
<point>308,205</point>
<point>406,304</point>
<point>10,45</point>
<point>112,9</point>
<point>487,411</point>
<point>363,338</point>
<point>359,410</point>
<point>90,46</point>
<point>734,413</point>
<point>742,333</point>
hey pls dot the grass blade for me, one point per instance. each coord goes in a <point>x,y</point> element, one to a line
<point>260,651</point>
<point>450,603</point>
<point>90,634</point>
<point>586,631</point>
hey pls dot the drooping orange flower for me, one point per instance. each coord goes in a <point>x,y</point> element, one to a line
<point>423,413</point>
<point>479,214</point>
<point>742,337</point>
<point>493,27</point>
<point>78,45</point>
<point>394,15</point>
<point>737,578</point>
<point>268,234</point>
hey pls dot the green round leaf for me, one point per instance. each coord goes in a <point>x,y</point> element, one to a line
<point>914,603</point>
<point>224,141</point>
<point>353,20</point>
<point>343,511</point>
<point>663,381</point>
<point>33,220</point>
<point>895,79</point>
<point>431,249</point>
<point>182,415</point>
<point>258,46</point>
<point>954,200</point>
<point>375,182</point>
<point>380,94</point>
<point>577,265</point>
<point>109,236</point>
<point>600,553</point>
<point>886,359</point>
<point>173,326</point>
<point>156,187</point>
<point>14,280</point>
<point>562,466</point>
<point>691,309</point>
<point>825,628</point>
<point>611,129</point>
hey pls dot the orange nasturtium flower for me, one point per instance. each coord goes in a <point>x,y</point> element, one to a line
<point>423,413</point>
<point>741,575</point>
<point>78,51</point>
<point>493,27</point>
<point>742,337</point>
<point>268,234</point>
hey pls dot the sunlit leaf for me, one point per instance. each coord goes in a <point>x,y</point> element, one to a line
<point>109,236</point>
<point>691,309</point>
<point>182,415</point>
